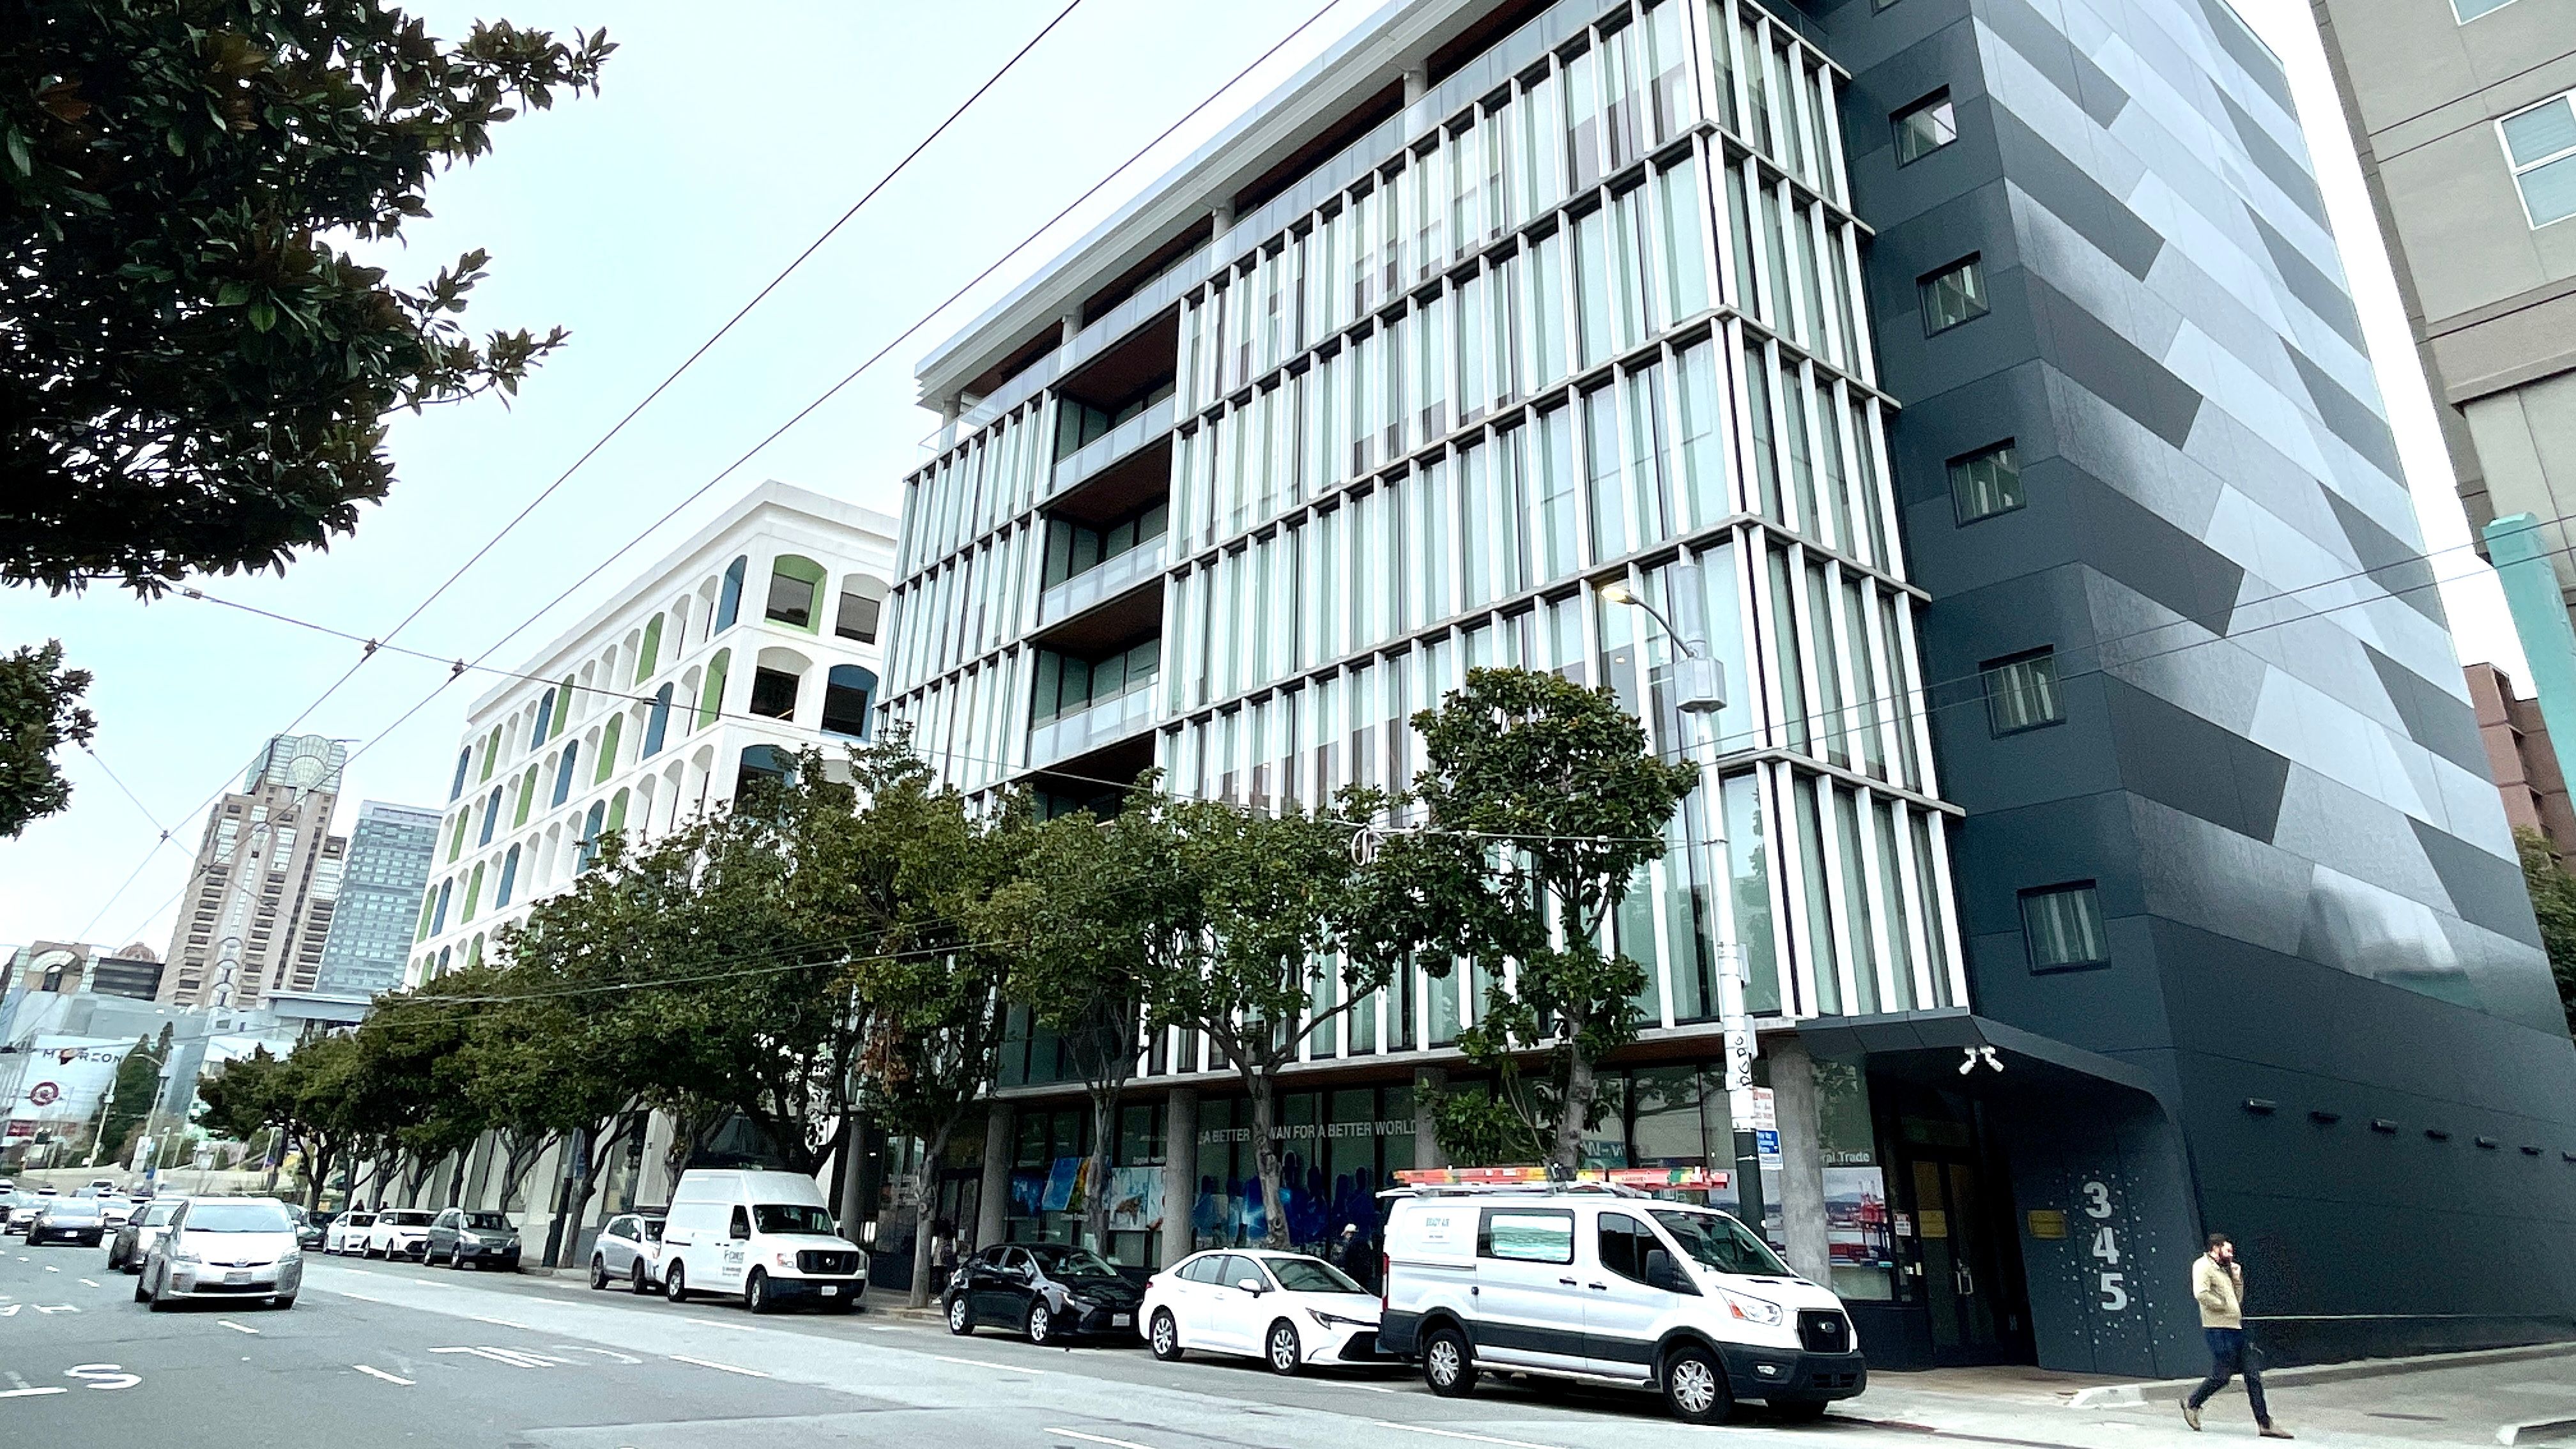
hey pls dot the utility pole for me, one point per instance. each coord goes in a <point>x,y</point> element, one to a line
<point>1699,690</point>
<point>106,1103</point>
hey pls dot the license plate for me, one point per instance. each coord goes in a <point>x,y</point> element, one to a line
<point>831,1291</point>
<point>1122,1320</point>
<point>237,1277</point>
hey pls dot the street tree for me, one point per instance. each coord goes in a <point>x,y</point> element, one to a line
<point>40,712</point>
<point>138,1079</point>
<point>1536,807</point>
<point>199,369</point>
<point>1249,946</point>
<point>2553,901</point>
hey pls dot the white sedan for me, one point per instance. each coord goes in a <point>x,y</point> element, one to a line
<point>1286,1309</point>
<point>347,1233</point>
<point>399,1233</point>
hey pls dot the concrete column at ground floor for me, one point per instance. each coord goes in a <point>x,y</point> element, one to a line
<point>1428,1083</point>
<point>855,1195</point>
<point>993,1197</point>
<point>653,1184</point>
<point>1802,1158</point>
<point>1180,1172</point>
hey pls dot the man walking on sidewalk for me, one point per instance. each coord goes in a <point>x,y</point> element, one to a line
<point>2218,1283</point>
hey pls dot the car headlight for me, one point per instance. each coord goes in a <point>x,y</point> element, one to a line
<point>292,1255</point>
<point>1335,1320</point>
<point>184,1255</point>
<point>1077,1305</point>
<point>1745,1308</point>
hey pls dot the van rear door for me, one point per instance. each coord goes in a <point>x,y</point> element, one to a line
<point>1528,1304</point>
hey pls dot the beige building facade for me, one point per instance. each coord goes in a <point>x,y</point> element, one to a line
<point>266,879</point>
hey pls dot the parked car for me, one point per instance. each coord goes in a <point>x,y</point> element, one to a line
<point>133,1242</point>
<point>472,1238</point>
<point>114,1209</point>
<point>309,1232</point>
<point>1049,1291</point>
<point>348,1233</point>
<point>101,1186</point>
<point>629,1250</point>
<point>768,1236</point>
<point>1286,1309</point>
<point>224,1247</point>
<point>68,1220</point>
<point>20,1210</point>
<point>1609,1285</point>
<point>398,1233</point>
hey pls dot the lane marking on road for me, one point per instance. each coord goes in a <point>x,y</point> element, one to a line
<point>238,1327</point>
<point>1099,1439</point>
<point>1458,1434</point>
<point>30,1393</point>
<point>377,1373</point>
<point>503,1322</point>
<point>85,1283</point>
<point>50,1268</point>
<point>514,1357</point>
<point>361,1297</point>
<point>711,1363</point>
<point>884,1328</point>
<point>1374,1388</point>
<point>602,1352</point>
<point>985,1363</point>
<point>711,1323</point>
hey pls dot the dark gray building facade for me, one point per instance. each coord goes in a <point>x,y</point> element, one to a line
<point>2322,965</point>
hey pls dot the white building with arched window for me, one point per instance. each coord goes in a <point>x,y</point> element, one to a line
<point>756,638</point>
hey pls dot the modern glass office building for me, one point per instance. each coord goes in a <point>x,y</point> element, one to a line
<point>380,885</point>
<point>1498,304</point>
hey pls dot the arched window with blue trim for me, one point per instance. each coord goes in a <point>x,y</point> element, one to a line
<point>491,816</point>
<point>563,773</point>
<point>464,762</point>
<point>509,878</point>
<point>848,691</point>
<point>438,918</point>
<point>443,952</point>
<point>545,717</point>
<point>589,845</point>
<point>658,723</point>
<point>729,602</point>
<point>763,762</point>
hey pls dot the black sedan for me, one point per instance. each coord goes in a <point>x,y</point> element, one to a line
<point>1049,1291</point>
<point>68,1220</point>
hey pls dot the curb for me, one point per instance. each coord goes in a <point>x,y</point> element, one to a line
<point>2118,1396</point>
<point>2511,1434</point>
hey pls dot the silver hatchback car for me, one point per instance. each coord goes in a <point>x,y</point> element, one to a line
<point>224,1247</point>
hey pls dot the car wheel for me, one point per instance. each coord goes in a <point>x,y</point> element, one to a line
<point>755,1293</point>
<point>639,1283</point>
<point>1284,1353</point>
<point>1041,1323</point>
<point>961,1317</point>
<point>1448,1364</point>
<point>1695,1387</point>
<point>456,1260</point>
<point>675,1283</point>
<point>599,1274</point>
<point>1165,1337</point>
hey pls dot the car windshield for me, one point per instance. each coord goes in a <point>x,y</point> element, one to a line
<point>358,1220</point>
<point>791,1217</point>
<point>158,1214</point>
<point>487,1222</point>
<point>1310,1275</point>
<point>1060,1261</point>
<point>1717,1241</point>
<point>405,1218</point>
<point>72,1209</point>
<point>239,1217</point>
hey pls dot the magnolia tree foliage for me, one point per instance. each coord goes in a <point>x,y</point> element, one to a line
<point>40,711</point>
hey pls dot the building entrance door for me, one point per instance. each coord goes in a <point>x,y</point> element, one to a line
<point>1971,1279</point>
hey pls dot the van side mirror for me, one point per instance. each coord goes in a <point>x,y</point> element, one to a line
<point>1661,1272</point>
<point>741,1232</point>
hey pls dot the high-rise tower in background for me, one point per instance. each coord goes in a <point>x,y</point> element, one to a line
<point>2089,708</point>
<point>258,904</point>
<point>380,886</point>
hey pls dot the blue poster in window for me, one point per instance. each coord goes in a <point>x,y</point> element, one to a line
<point>1060,1183</point>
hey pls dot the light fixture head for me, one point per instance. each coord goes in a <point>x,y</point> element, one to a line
<point>1617,594</point>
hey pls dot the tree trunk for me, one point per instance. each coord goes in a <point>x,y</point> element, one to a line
<point>1265,1154</point>
<point>1580,1089</point>
<point>935,1149</point>
<point>1095,1179</point>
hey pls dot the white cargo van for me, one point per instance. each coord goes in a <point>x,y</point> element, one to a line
<point>1607,1285</point>
<point>768,1236</point>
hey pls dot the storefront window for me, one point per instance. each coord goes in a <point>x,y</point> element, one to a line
<point>1859,1227</point>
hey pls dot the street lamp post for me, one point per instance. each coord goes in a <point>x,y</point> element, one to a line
<point>1699,687</point>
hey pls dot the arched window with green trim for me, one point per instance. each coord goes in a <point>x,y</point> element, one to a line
<point>729,602</point>
<point>649,657</point>
<point>428,905</point>
<point>509,878</point>
<point>608,749</point>
<point>711,697</point>
<point>527,796</point>
<point>796,593</point>
<point>657,725</point>
<point>473,895</point>
<point>456,842</point>
<point>616,812</point>
<point>474,954</point>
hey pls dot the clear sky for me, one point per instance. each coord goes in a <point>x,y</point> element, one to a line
<point>726,139</point>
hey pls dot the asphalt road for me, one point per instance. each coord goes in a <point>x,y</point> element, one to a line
<point>393,1353</point>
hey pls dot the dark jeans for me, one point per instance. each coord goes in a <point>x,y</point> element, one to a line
<point>2227,1357</point>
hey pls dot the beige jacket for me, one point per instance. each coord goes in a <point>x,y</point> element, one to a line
<point>2220,1289</point>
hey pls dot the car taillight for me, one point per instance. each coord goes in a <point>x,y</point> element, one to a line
<point>1385,1278</point>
